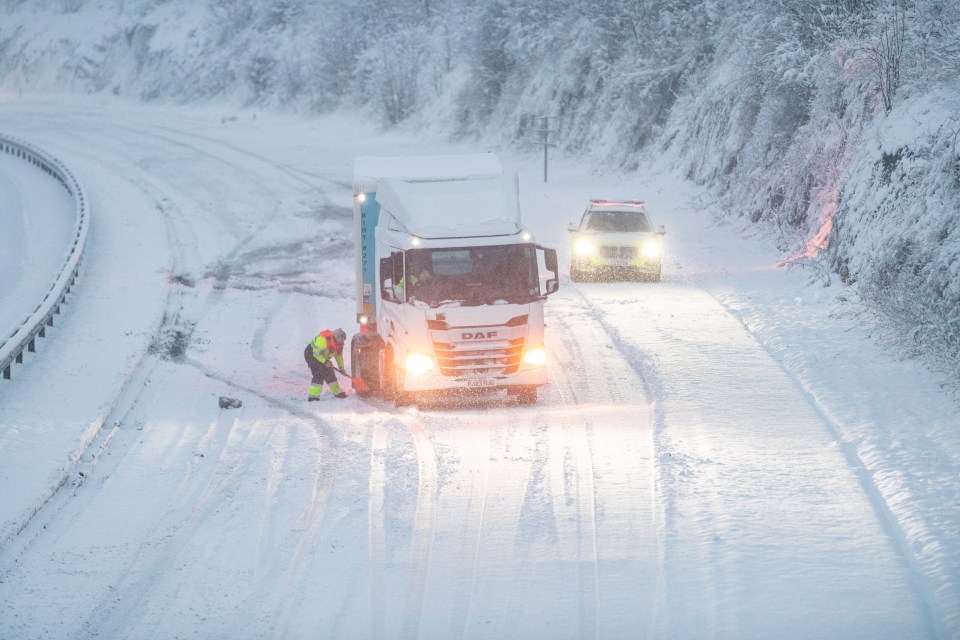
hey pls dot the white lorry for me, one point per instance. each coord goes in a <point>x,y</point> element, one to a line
<point>450,285</point>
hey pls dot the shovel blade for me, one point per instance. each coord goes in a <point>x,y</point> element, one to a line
<point>358,384</point>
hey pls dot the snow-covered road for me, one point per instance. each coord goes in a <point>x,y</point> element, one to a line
<point>37,220</point>
<point>726,454</point>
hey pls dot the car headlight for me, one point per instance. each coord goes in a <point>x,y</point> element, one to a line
<point>584,247</point>
<point>417,363</point>
<point>535,357</point>
<point>651,248</point>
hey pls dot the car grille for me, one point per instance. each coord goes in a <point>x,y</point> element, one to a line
<point>496,355</point>
<point>623,253</point>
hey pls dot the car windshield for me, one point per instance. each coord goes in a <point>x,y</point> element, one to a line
<point>473,276</point>
<point>618,222</point>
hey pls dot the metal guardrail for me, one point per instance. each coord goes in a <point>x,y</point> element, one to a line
<point>35,325</point>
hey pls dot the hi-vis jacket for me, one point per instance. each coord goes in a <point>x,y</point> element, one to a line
<point>399,288</point>
<point>325,348</point>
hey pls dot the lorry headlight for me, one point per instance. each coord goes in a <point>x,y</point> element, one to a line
<point>417,363</point>
<point>584,247</point>
<point>651,248</point>
<point>535,357</point>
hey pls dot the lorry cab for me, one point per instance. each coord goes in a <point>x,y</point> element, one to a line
<point>451,286</point>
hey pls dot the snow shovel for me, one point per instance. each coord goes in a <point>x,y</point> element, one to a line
<point>357,383</point>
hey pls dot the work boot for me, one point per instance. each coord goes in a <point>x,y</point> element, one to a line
<point>340,395</point>
<point>313,398</point>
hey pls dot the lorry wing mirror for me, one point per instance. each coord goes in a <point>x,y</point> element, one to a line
<point>550,262</point>
<point>573,227</point>
<point>661,231</point>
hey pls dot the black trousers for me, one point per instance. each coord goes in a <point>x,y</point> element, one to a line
<point>320,373</point>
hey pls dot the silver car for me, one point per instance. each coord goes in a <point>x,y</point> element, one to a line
<point>616,240</point>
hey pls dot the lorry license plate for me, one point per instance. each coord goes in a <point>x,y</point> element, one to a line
<point>618,262</point>
<point>473,383</point>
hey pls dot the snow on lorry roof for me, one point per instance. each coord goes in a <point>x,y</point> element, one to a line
<point>487,206</point>
<point>369,170</point>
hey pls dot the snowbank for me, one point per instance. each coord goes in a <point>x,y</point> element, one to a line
<point>897,233</point>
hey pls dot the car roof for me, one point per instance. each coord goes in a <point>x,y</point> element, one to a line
<point>603,204</point>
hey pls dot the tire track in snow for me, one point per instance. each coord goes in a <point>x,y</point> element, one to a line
<point>191,508</point>
<point>305,183</point>
<point>482,467</point>
<point>922,582</point>
<point>296,573</point>
<point>200,494</point>
<point>576,470</point>
<point>473,528</point>
<point>67,493</point>
<point>244,229</point>
<point>116,408</point>
<point>167,196</point>
<point>306,178</point>
<point>376,561</point>
<point>180,237</point>
<point>721,560</point>
<point>573,493</point>
<point>574,487</point>
<point>423,527</point>
<point>411,611</point>
<point>644,365</point>
<point>178,224</point>
<point>200,490</point>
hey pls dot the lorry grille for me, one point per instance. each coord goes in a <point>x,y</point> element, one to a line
<point>624,253</point>
<point>487,356</point>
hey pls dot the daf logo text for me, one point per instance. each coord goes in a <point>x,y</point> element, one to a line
<point>478,335</point>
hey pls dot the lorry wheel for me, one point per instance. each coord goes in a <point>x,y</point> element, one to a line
<point>359,367</point>
<point>365,350</point>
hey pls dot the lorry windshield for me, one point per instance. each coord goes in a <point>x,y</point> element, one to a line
<point>473,276</point>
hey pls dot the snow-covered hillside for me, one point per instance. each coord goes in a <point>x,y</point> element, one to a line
<point>898,224</point>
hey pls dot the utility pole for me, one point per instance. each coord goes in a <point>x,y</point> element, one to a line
<point>545,132</point>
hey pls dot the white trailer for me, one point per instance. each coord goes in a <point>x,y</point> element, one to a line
<point>450,285</point>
